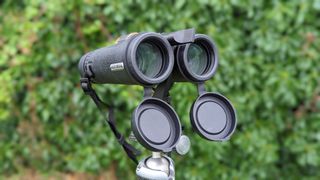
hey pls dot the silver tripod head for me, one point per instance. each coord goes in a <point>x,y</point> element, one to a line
<point>156,167</point>
<point>159,166</point>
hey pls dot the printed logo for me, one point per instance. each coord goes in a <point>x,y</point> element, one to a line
<point>117,66</point>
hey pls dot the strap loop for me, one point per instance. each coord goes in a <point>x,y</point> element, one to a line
<point>121,140</point>
<point>86,85</point>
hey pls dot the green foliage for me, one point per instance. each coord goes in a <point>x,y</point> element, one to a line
<point>269,68</point>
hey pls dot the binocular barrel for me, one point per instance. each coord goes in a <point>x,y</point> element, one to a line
<point>141,58</point>
<point>149,58</point>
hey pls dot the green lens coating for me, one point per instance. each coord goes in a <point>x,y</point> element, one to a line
<point>149,59</point>
<point>197,59</point>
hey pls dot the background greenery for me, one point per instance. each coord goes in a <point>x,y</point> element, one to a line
<point>269,68</point>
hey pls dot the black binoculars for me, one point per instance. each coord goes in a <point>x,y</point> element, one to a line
<point>149,58</point>
<point>158,60</point>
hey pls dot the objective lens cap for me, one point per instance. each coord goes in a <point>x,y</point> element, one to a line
<point>156,125</point>
<point>213,117</point>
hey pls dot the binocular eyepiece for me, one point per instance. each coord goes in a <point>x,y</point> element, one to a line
<point>149,58</point>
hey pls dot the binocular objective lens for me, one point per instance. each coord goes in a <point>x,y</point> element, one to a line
<point>149,59</point>
<point>197,59</point>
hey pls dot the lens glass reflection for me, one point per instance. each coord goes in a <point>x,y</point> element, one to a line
<point>149,59</point>
<point>197,59</point>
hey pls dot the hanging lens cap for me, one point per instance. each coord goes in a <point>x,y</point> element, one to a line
<point>213,117</point>
<point>156,125</point>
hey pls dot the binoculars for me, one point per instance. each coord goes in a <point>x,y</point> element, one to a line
<point>149,58</point>
<point>156,61</point>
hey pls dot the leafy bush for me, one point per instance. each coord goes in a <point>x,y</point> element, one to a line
<point>269,68</point>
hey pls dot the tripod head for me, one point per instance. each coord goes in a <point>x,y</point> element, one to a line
<point>159,166</point>
<point>156,167</point>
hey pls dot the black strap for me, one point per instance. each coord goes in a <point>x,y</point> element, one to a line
<point>129,149</point>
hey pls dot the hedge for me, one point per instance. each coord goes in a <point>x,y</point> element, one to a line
<point>269,68</point>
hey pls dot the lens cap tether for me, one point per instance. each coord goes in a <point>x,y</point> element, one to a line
<point>213,116</point>
<point>156,125</point>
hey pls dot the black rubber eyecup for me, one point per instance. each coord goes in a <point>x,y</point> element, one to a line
<point>212,62</point>
<point>213,117</point>
<point>166,52</point>
<point>156,125</point>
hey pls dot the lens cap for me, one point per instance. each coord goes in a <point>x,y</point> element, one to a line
<point>213,117</point>
<point>156,125</point>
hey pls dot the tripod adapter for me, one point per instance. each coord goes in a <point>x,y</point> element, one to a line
<point>156,167</point>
